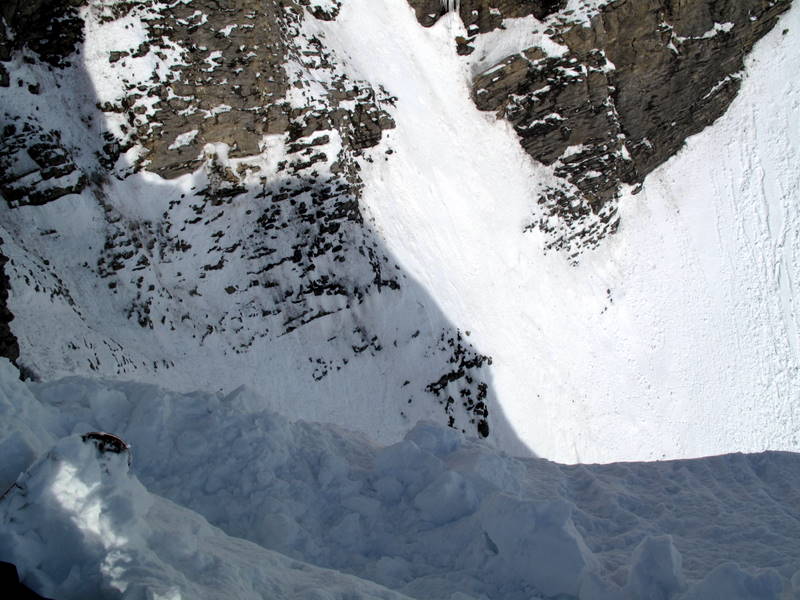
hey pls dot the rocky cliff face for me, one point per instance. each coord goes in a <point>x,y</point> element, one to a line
<point>609,98</point>
<point>35,168</point>
<point>480,16</point>
<point>249,248</point>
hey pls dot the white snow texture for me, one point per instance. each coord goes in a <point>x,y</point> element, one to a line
<point>226,500</point>
<point>684,318</point>
<point>677,338</point>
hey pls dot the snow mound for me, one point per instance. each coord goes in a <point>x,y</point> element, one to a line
<point>434,516</point>
<point>127,543</point>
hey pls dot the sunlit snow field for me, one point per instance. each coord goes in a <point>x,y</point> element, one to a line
<point>679,336</point>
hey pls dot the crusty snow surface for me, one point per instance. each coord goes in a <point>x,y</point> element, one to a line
<point>224,499</point>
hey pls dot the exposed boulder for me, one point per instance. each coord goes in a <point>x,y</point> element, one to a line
<point>480,16</point>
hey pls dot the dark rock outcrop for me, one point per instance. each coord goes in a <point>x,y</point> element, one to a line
<point>35,168</point>
<point>480,16</point>
<point>621,99</point>
<point>230,84</point>
<point>327,13</point>
<point>9,347</point>
<point>51,28</point>
<point>674,64</point>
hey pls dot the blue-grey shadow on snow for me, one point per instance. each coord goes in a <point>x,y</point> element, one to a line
<point>283,271</point>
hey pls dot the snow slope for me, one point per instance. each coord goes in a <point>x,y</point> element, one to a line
<point>225,499</point>
<point>127,543</point>
<point>678,338</point>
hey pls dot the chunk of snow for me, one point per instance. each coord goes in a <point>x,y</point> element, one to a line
<point>184,139</point>
<point>656,570</point>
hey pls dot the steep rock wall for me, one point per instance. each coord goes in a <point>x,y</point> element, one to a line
<point>628,85</point>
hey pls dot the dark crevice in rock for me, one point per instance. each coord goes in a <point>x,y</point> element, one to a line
<point>9,347</point>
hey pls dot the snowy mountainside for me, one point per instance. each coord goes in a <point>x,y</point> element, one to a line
<point>311,200</point>
<point>225,497</point>
<point>252,265</point>
<point>469,231</point>
<point>603,91</point>
<point>677,330</point>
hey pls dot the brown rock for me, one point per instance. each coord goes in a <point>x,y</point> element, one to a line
<point>644,76</point>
